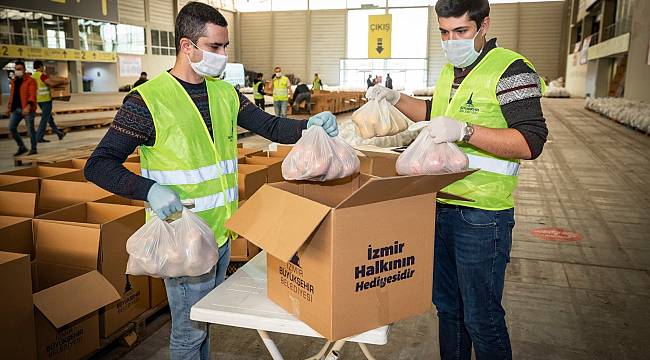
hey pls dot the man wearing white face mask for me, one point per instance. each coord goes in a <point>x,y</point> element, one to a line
<point>184,122</point>
<point>487,99</point>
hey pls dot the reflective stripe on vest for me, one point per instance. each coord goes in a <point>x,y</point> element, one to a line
<point>185,157</point>
<point>214,201</point>
<point>43,91</point>
<point>280,91</point>
<point>185,177</point>
<point>475,102</point>
<point>493,165</point>
<point>256,94</point>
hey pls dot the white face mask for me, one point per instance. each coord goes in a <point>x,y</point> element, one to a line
<point>278,75</point>
<point>212,65</point>
<point>461,53</point>
<point>19,73</point>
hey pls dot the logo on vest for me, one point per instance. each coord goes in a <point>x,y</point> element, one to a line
<point>468,107</point>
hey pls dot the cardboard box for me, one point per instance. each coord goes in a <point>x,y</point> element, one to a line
<point>20,204</point>
<point>77,175</point>
<point>380,164</point>
<point>16,235</point>
<point>273,164</point>
<point>18,340</point>
<point>60,92</point>
<point>106,227</point>
<point>250,178</point>
<point>70,164</point>
<point>116,199</point>
<point>57,194</point>
<point>41,172</point>
<point>19,183</point>
<point>66,316</point>
<point>248,152</point>
<point>330,245</point>
<point>79,164</point>
<point>157,292</point>
<point>242,250</point>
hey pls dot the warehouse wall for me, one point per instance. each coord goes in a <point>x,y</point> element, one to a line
<point>327,45</point>
<point>255,42</point>
<point>638,61</point>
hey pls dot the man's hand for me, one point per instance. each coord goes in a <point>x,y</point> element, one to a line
<point>379,92</point>
<point>327,121</point>
<point>163,201</point>
<point>444,129</point>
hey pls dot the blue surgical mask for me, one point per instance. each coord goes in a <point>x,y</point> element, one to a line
<point>461,52</point>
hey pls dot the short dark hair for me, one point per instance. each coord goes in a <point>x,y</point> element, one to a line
<point>259,75</point>
<point>191,21</point>
<point>38,64</point>
<point>476,10</point>
<point>143,74</point>
<point>19,62</point>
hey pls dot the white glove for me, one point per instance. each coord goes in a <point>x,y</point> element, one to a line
<point>379,92</point>
<point>444,129</point>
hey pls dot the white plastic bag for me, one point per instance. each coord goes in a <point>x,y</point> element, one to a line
<point>424,156</point>
<point>320,157</point>
<point>379,118</point>
<point>186,247</point>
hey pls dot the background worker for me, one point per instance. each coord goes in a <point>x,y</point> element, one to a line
<point>370,82</point>
<point>317,84</point>
<point>301,94</point>
<point>496,119</point>
<point>281,87</point>
<point>258,90</point>
<point>184,122</point>
<point>44,99</point>
<point>143,79</point>
<point>22,104</point>
<point>389,81</point>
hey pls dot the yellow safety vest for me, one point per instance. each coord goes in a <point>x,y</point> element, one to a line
<point>280,91</point>
<point>475,102</point>
<point>43,91</point>
<point>256,94</point>
<point>184,156</point>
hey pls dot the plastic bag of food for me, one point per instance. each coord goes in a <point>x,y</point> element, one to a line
<point>379,118</point>
<point>424,156</point>
<point>320,157</point>
<point>186,247</point>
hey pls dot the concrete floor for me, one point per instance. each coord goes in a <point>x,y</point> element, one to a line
<point>585,299</point>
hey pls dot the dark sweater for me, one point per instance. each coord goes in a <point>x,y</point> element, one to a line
<point>133,126</point>
<point>519,92</point>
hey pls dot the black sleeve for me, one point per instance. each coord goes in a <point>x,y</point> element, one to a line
<point>519,93</point>
<point>260,88</point>
<point>132,127</point>
<point>427,116</point>
<point>274,128</point>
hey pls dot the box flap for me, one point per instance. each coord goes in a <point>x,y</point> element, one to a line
<point>75,298</point>
<point>389,188</point>
<point>277,220</point>
<point>374,153</point>
<point>17,204</point>
<point>19,183</point>
<point>6,257</point>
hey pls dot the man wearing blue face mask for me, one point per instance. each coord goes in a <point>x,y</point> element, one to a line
<point>184,122</point>
<point>487,99</point>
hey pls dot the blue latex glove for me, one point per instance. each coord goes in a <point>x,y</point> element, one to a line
<point>163,201</point>
<point>327,121</point>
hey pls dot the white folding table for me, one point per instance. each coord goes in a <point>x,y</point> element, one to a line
<point>241,301</point>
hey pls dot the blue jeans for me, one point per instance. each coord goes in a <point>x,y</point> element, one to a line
<point>280,108</point>
<point>190,340</point>
<point>46,118</point>
<point>472,249</point>
<point>14,120</point>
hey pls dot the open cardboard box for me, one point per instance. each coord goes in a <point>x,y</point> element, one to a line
<point>96,236</point>
<point>16,235</point>
<point>248,152</point>
<point>57,194</point>
<point>378,163</point>
<point>116,199</point>
<point>41,172</point>
<point>274,166</point>
<point>79,164</point>
<point>18,340</point>
<point>157,292</point>
<point>20,204</point>
<point>250,178</point>
<point>19,183</point>
<point>347,256</point>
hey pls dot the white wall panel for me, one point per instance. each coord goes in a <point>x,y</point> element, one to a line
<point>161,14</point>
<point>255,42</point>
<point>540,36</point>
<point>232,36</point>
<point>504,24</point>
<point>131,12</point>
<point>290,42</point>
<point>327,45</point>
<point>436,58</point>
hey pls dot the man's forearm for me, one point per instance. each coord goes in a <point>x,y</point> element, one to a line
<point>505,143</point>
<point>414,109</point>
